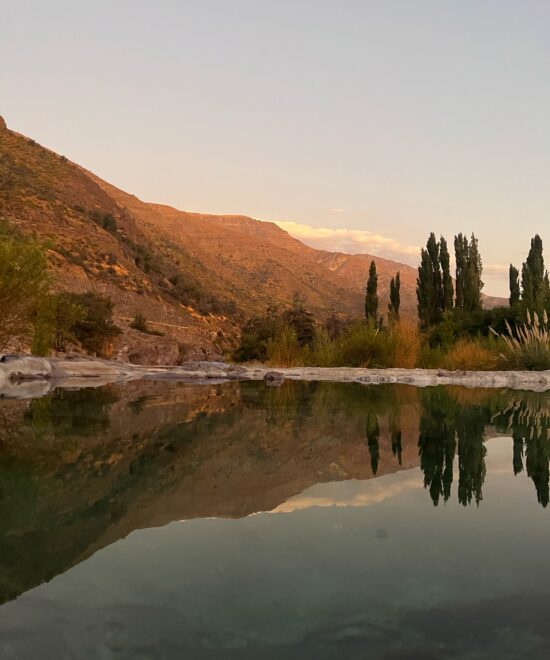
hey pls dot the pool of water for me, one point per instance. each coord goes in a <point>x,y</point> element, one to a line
<point>316,520</point>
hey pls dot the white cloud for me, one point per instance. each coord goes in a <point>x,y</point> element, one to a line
<point>351,241</point>
<point>337,210</point>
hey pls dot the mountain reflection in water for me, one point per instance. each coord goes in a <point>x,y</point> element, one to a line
<point>80,470</point>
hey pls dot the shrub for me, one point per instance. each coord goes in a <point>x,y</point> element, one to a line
<point>139,323</point>
<point>301,321</point>
<point>528,345</point>
<point>92,324</point>
<point>105,220</point>
<point>256,334</point>
<point>430,357</point>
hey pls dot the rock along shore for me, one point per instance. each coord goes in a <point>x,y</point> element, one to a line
<point>30,377</point>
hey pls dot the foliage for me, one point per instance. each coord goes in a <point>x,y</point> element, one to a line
<point>447,291</point>
<point>300,320</point>
<point>468,273</point>
<point>515,292</point>
<point>68,313</point>
<point>429,284</point>
<point>534,278</point>
<point>24,283</point>
<point>371,296</point>
<point>256,334</point>
<point>88,319</point>
<point>365,345</point>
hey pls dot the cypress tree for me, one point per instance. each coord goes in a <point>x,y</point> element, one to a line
<point>371,298</point>
<point>395,298</point>
<point>514,285</point>
<point>446,279</point>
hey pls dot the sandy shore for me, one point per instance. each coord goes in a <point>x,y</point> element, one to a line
<point>29,377</point>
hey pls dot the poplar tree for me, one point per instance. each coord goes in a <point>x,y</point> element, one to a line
<point>461,250</point>
<point>468,273</point>
<point>473,283</point>
<point>447,292</point>
<point>395,298</point>
<point>371,297</point>
<point>534,278</point>
<point>514,285</point>
<point>429,284</point>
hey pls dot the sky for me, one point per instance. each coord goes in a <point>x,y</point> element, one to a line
<point>356,125</point>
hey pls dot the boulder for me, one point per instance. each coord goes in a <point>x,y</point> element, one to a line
<point>274,379</point>
<point>25,367</point>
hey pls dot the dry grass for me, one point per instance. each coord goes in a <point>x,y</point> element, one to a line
<point>407,345</point>
<point>470,355</point>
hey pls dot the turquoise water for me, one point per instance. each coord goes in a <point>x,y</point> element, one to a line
<point>157,520</point>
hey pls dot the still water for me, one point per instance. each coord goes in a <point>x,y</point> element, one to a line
<point>315,520</point>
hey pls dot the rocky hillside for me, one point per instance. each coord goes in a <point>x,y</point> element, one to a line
<point>194,277</point>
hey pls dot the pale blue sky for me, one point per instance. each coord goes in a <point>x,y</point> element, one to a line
<point>392,117</point>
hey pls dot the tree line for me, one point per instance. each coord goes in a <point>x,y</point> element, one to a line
<point>437,294</point>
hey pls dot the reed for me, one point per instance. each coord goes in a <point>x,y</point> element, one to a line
<point>527,345</point>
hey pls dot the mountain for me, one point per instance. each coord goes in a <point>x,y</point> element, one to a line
<point>195,277</point>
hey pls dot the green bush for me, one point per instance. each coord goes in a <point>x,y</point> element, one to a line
<point>257,333</point>
<point>366,345</point>
<point>24,284</point>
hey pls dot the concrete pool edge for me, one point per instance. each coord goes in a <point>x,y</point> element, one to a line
<point>30,377</point>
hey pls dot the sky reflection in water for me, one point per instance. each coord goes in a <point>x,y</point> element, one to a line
<point>310,527</point>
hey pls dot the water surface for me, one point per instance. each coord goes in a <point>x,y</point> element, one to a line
<point>315,520</point>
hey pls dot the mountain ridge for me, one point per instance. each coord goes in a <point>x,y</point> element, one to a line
<point>195,276</point>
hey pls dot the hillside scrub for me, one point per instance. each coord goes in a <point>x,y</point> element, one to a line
<point>139,323</point>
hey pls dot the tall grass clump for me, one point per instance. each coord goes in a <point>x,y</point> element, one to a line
<point>284,350</point>
<point>527,345</point>
<point>324,351</point>
<point>366,345</point>
<point>407,344</point>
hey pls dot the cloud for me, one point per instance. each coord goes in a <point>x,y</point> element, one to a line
<point>495,270</point>
<point>352,241</point>
<point>337,210</point>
